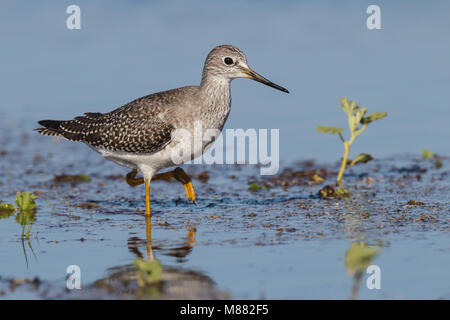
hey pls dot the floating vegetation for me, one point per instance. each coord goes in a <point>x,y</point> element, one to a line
<point>256,187</point>
<point>25,203</point>
<point>25,216</point>
<point>6,210</point>
<point>331,192</point>
<point>415,203</point>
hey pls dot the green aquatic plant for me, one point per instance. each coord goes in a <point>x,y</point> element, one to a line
<point>25,201</point>
<point>26,219</point>
<point>357,258</point>
<point>147,272</point>
<point>255,187</point>
<point>6,210</point>
<point>427,154</point>
<point>357,122</point>
<point>7,207</point>
<point>26,216</point>
<point>330,192</point>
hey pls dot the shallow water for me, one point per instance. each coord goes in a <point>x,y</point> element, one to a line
<point>271,243</point>
<point>279,242</point>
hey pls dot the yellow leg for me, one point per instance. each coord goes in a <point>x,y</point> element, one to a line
<point>182,177</point>
<point>190,236</point>
<point>147,199</point>
<point>177,174</point>
<point>148,224</point>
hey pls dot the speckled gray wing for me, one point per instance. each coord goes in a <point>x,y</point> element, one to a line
<point>134,128</point>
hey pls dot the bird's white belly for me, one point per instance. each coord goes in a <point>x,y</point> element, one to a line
<point>183,148</point>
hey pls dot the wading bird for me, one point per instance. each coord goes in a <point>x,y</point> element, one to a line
<point>141,134</point>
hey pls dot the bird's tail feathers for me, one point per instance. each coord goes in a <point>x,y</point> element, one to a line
<point>51,128</point>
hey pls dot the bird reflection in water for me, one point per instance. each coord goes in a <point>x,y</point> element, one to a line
<point>149,278</point>
<point>179,251</point>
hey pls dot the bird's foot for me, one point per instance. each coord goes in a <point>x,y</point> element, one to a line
<point>182,177</point>
<point>132,180</point>
<point>178,174</point>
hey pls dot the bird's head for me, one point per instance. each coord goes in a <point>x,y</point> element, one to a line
<point>228,62</point>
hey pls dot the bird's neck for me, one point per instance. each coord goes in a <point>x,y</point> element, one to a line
<point>216,91</point>
<point>216,101</point>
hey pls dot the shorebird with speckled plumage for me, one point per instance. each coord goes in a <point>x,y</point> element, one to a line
<point>141,134</point>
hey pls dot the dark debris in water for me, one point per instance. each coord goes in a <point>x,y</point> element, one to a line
<point>415,203</point>
<point>290,177</point>
<point>202,177</point>
<point>73,179</point>
<point>330,192</point>
<point>88,205</point>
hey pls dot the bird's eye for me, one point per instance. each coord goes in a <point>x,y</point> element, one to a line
<point>228,61</point>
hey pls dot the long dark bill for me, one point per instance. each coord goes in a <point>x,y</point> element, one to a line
<point>254,76</point>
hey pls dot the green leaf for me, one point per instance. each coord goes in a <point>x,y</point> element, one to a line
<point>354,113</point>
<point>415,203</point>
<point>348,106</point>
<point>327,129</point>
<point>25,201</point>
<point>256,187</point>
<point>26,217</point>
<point>341,192</point>
<point>359,257</point>
<point>148,272</point>
<point>361,158</point>
<point>6,210</point>
<point>372,117</point>
<point>7,207</point>
<point>427,154</point>
<point>357,116</point>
